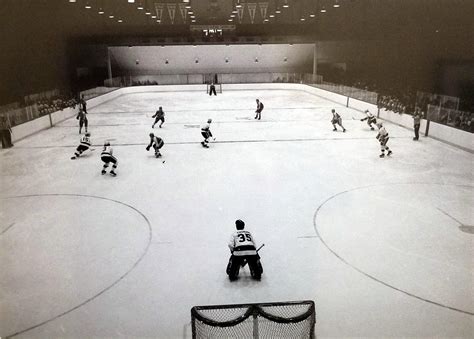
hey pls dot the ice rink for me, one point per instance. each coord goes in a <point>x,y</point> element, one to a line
<point>383,246</point>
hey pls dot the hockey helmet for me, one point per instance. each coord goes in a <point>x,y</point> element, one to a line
<point>151,135</point>
<point>239,224</point>
<point>88,134</point>
<point>209,121</point>
<point>378,124</point>
<point>333,110</point>
<point>107,143</point>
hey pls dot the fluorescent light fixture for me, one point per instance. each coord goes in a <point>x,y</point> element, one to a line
<point>312,15</point>
<point>193,20</point>
<point>230,20</point>
<point>153,16</point>
<point>111,16</point>
<point>190,12</point>
<point>336,6</point>
<point>101,11</point>
<point>88,6</point>
<point>302,19</point>
<point>266,20</point>
<point>72,0</point>
<point>277,11</point>
<point>147,12</point>
<point>232,15</point>
<point>119,20</point>
<point>323,11</point>
<point>140,7</point>
<point>131,1</point>
<point>158,21</point>
<point>272,15</point>
<point>187,7</point>
<point>286,6</point>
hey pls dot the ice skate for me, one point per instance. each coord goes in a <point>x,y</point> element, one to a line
<point>73,158</point>
<point>103,172</point>
<point>389,152</point>
<point>112,173</point>
<point>382,155</point>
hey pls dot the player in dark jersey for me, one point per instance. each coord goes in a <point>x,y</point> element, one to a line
<point>159,116</point>
<point>81,116</point>
<point>157,143</point>
<point>258,112</point>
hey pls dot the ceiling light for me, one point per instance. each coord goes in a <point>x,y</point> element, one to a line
<point>119,20</point>
<point>147,12</point>
<point>272,15</point>
<point>323,11</point>
<point>286,6</point>
<point>232,15</point>
<point>312,15</point>
<point>238,6</point>
<point>302,19</point>
<point>72,0</point>
<point>277,11</point>
<point>158,21</point>
<point>190,12</point>
<point>88,6</point>
<point>336,6</point>
<point>187,7</point>
<point>193,20</point>
<point>266,20</point>
<point>230,20</point>
<point>131,1</point>
<point>101,11</point>
<point>140,7</point>
<point>111,16</point>
<point>153,16</point>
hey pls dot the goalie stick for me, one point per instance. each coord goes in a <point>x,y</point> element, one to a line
<point>245,261</point>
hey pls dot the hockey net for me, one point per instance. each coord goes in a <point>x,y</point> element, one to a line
<point>292,319</point>
<point>218,88</point>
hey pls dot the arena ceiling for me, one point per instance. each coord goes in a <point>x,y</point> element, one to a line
<point>315,19</point>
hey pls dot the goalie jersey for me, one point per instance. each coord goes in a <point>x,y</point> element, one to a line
<point>241,243</point>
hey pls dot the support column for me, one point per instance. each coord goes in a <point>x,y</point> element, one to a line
<point>315,61</point>
<point>109,64</point>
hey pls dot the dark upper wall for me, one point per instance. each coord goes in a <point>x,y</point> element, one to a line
<point>42,40</point>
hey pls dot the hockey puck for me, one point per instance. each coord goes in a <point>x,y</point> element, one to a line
<point>163,161</point>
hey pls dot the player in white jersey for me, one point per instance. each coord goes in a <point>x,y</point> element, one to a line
<point>157,143</point>
<point>370,119</point>
<point>382,137</point>
<point>206,133</point>
<point>107,157</point>
<point>243,249</point>
<point>336,119</point>
<point>83,146</point>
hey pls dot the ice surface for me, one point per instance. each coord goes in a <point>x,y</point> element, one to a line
<point>390,261</point>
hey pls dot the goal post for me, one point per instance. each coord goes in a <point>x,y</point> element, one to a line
<point>218,88</point>
<point>291,319</point>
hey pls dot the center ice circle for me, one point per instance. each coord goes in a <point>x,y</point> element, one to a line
<point>61,252</point>
<point>407,237</point>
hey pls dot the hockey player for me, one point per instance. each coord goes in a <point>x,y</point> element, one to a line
<point>159,116</point>
<point>81,116</point>
<point>206,133</point>
<point>382,137</point>
<point>157,143</point>
<point>212,89</point>
<point>107,157</point>
<point>243,250</point>
<point>83,146</point>
<point>83,104</point>
<point>258,112</point>
<point>370,119</point>
<point>336,119</point>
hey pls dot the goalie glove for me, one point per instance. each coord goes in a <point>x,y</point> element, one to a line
<point>148,148</point>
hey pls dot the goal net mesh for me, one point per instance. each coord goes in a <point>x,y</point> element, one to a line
<point>293,319</point>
